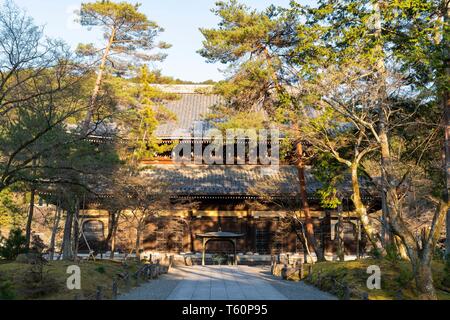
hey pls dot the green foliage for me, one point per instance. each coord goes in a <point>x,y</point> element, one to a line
<point>132,33</point>
<point>157,77</point>
<point>328,198</point>
<point>220,258</point>
<point>247,89</point>
<point>144,116</point>
<point>325,72</point>
<point>330,173</point>
<point>244,40</point>
<point>36,282</point>
<point>446,278</point>
<point>404,277</point>
<point>100,269</point>
<point>392,253</point>
<point>439,254</point>
<point>37,245</point>
<point>39,142</point>
<point>286,148</point>
<point>11,214</point>
<point>375,253</point>
<point>242,120</point>
<point>334,275</point>
<point>241,31</point>
<point>12,246</point>
<point>7,291</point>
<point>13,273</point>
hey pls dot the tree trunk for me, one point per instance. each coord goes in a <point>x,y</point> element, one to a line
<point>385,152</point>
<point>309,226</point>
<point>385,177</point>
<point>113,241</point>
<point>138,243</point>
<point>76,230</point>
<point>401,248</point>
<point>361,210</point>
<point>420,257</point>
<point>54,232</point>
<point>424,283</point>
<point>67,237</point>
<point>189,221</point>
<point>98,83</point>
<point>339,232</point>
<point>191,239</point>
<point>30,218</point>
<point>307,257</point>
<point>113,218</point>
<point>446,105</point>
<point>424,279</point>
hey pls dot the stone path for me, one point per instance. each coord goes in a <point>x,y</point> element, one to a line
<point>224,283</point>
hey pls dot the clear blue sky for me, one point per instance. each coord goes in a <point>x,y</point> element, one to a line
<point>181,20</point>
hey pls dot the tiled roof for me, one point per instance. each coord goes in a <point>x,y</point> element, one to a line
<point>239,180</point>
<point>184,88</point>
<point>234,180</point>
<point>192,107</point>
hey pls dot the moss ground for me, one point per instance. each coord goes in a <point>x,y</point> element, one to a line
<point>93,274</point>
<point>397,281</point>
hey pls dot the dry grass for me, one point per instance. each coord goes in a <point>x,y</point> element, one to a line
<point>93,274</point>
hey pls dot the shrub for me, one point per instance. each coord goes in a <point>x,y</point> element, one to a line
<point>14,245</point>
<point>101,269</point>
<point>37,283</point>
<point>220,259</point>
<point>375,253</point>
<point>6,290</point>
<point>37,245</point>
<point>439,254</point>
<point>404,277</point>
<point>392,253</point>
<point>446,279</point>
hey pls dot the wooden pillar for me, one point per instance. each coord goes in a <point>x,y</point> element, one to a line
<point>358,238</point>
<point>203,251</point>
<point>250,234</point>
<point>235,258</point>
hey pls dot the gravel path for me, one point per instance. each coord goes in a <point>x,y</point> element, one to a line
<point>224,283</point>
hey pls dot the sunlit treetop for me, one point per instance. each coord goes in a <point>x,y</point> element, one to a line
<point>130,31</point>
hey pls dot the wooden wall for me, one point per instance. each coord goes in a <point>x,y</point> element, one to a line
<point>262,235</point>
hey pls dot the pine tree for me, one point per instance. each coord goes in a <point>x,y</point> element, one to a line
<point>129,35</point>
